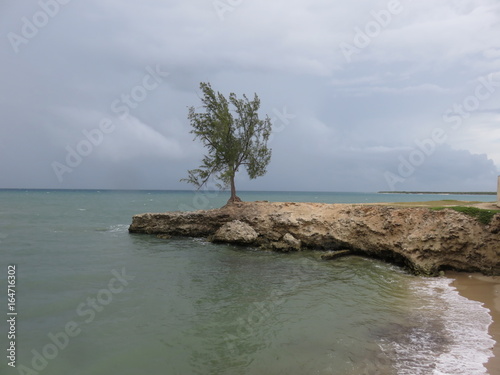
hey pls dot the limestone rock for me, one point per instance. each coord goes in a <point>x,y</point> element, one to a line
<point>163,236</point>
<point>291,241</point>
<point>330,255</point>
<point>286,243</point>
<point>235,232</point>
<point>494,225</point>
<point>422,240</point>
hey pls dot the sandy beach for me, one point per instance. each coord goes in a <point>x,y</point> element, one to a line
<point>484,289</point>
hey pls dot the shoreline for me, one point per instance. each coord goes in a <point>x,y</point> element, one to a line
<point>421,239</point>
<point>485,289</point>
<point>438,192</point>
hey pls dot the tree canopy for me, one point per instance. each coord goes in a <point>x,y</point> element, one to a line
<point>234,136</point>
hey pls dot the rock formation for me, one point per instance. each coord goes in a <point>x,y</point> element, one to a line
<point>422,240</point>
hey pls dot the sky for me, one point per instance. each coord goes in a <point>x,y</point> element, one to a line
<point>364,96</point>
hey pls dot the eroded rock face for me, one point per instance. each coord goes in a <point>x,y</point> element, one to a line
<point>286,243</point>
<point>291,241</point>
<point>235,232</point>
<point>423,240</point>
<point>495,224</point>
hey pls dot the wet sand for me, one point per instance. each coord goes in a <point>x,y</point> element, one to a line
<point>484,289</point>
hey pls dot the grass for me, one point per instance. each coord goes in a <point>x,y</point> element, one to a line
<point>437,204</point>
<point>441,192</point>
<point>483,216</point>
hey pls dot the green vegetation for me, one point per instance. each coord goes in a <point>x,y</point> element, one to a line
<point>439,204</point>
<point>234,138</point>
<point>439,192</point>
<point>483,216</point>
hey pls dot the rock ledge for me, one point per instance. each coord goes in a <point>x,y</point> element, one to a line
<point>422,240</point>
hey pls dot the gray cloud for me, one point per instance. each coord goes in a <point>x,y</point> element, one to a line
<point>92,80</point>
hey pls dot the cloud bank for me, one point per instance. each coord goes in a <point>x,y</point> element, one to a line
<point>368,96</point>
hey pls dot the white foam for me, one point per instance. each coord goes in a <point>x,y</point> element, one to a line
<point>118,228</point>
<point>464,343</point>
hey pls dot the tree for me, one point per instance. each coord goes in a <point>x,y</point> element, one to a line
<point>233,138</point>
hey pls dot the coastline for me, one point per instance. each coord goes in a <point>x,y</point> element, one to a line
<point>425,241</point>
<point>411,235</point>
<point>485,289</point>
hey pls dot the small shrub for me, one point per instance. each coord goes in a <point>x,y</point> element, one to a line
<point>483,216</point>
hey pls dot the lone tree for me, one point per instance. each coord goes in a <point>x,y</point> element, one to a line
<point>234,138</point>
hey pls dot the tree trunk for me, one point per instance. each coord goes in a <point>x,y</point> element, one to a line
<point>234,197</point>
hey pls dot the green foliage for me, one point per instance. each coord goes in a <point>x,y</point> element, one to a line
<point>233,135</point>
<point>483,216</point>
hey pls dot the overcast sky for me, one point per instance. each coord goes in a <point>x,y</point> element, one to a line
<point>365,95</point>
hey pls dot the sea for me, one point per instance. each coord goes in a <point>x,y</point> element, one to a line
<point>81,296</point>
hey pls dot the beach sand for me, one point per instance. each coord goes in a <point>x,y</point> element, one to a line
<point>484,289</point>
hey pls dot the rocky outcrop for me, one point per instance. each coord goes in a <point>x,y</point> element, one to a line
<point>423,240</point>
<point>235,232</point>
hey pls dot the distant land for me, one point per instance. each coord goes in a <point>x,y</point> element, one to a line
<point>439,192</point>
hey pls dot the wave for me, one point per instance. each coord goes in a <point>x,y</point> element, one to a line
<point>117,228</point>
<point>448,333</point>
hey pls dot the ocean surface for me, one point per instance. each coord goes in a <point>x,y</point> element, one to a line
<point>92,299</point>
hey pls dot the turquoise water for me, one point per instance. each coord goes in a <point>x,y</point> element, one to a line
<point>93,299</point>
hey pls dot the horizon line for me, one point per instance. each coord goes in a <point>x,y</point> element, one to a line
<point>259,191</point>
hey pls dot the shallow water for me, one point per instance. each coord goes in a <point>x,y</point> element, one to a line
<point>139,304</point>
